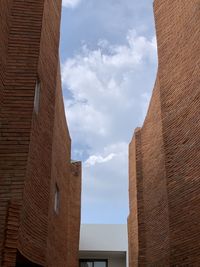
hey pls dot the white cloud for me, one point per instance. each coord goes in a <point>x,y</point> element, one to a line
<point>94,159</point>
<point>71,3</point>
<point>110,88</point>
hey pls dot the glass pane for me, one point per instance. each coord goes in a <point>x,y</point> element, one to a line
<point>56,199</point>
<point>86,264</point>
<point>100,264</point>
<point>37,96</point>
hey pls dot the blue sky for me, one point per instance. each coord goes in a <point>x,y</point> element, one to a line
<point>109,63</point>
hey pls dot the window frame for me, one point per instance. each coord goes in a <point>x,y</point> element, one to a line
<point>93,261</point>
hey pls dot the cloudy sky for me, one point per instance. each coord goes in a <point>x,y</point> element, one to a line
<point>109,62</point>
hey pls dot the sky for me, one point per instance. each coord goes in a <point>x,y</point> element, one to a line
<point>109,62</point>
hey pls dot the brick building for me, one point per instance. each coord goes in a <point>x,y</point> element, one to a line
<point>39,185</point>
<point>164,169</point>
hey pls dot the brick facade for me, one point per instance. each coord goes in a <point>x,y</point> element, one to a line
<point>164,169</point>
<point>35,147</point>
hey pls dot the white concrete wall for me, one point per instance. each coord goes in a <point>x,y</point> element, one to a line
<point>105,241</point>
<point>104,237</point>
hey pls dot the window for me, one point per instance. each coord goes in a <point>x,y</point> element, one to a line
<point>57,199</point>
<point>37,96</point>
<point>93,263</point>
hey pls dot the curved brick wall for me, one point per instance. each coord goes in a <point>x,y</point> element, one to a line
<point>4,191</point>
<point>34,218</point>
<point>35,149</point>
<point>166,180</point>
<point>19,68</point>
<point>179,76</point>
<point>148,221</point>
<point>154,185</point>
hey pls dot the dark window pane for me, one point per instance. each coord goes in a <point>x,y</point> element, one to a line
<point>86,264</point>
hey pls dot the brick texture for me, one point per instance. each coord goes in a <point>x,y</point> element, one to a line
<point>164,168</point>
<point>74,214</point>
<point>35,148</point>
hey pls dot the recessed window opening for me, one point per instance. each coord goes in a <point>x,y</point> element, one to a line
<point>57,199</point>
<point>37,96</point>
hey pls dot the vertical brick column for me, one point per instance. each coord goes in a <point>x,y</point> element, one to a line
<point>137,240</point>
<point>140,201</point>
<point>74,214</point>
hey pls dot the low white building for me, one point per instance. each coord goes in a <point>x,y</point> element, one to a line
<point>103,245</point>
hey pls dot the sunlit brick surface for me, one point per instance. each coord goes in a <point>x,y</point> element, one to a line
<point>164,221</point>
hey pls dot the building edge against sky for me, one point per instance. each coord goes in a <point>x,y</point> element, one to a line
<point>164,186</point>
<point>40,187</point>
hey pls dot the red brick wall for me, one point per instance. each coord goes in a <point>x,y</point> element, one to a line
<point>19,56</point>
<point>133,217</point>
<point>34,221</point>
<point>74,215</point>
<point>5,10</point>
<point>58,236</point>
<point>154,185</point>
<point>179,66</point>
<point>35,149</point>
<point>169,147</point>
